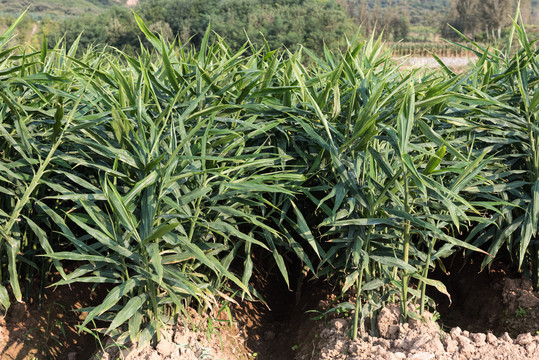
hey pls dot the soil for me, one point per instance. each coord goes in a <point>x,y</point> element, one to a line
<point>188,340</point>
<point>493,315</point>
<point>420,62</point>
<point>494,300</point>
<point>48,331</point>
<point>417,340</point>
<point>278,330</point>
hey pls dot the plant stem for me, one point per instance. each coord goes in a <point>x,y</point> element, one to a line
<point>425,275</point>
<point>153,297</point>
<point>535,266</point>
<point>404,299</point>
<point>359,282</point>
<point>535,178</point>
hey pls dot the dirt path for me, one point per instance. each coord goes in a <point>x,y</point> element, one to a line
<point>430,62</point>
<point>292,335</point>
<point>420,341</point>
<point>492,316</point>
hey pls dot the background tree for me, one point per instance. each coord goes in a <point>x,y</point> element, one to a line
<point>358,10</point>
<point>399,27</point>
<point>495,14</point>
<point>115,27</point>
<point>526,10</point>
<point>235,20</point>
<point>467,19</point>
<point>311,23</point>
<point>186,18</point>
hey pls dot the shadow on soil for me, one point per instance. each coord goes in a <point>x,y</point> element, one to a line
<point>497,299</point>
<point>276,331</point>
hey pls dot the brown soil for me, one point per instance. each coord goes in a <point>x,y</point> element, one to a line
<point>419,340</point>
<point>494,300</point>
<point>295,336</point>
<point>277,331</point>
<point>493,315</point>
<point>422,62</point>
<point>189,340</point>
<point>45,332</point>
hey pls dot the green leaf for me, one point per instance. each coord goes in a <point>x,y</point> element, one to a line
<point>350,280</point>
<point>373,285</point>
<point>405,120</point>
<point>279,260</point>
<point>134,326</point>
<point>155,261</point>
<point>149,35</point>
<point>139,186</point>
<point>303,229</point>
<point>231,230</point>
<point>212,263</point>
<point>194,195</point>
<point>393,262</point>
<point>12,252</point>
<point>6,36</point>
<point>111,299</point>
<point>529,226</point>
<point>146,335</point>
<point>43,240</point>
<point>120,209</point>
<point>160,231</point>
<point>128,311</point>
<point>73,256</point>
<point>435,160</point>
<point>434,283</point>
<point>4,298</point>
<point>416,177</point>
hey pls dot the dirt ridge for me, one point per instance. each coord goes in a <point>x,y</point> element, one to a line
<point>420,340</point>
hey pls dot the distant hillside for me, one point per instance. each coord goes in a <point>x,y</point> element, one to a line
<point>59,8</point>
<point>424,12</point>
<point>419,11</point>
<point>437,5</point>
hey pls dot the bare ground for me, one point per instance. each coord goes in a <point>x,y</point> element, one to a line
<point>417,62</point>
<point>419,340</point>
<point>415,340</point>
<point>493,316</point>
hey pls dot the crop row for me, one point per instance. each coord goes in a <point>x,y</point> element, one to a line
<point>426,49</point>
<point>172,176</point>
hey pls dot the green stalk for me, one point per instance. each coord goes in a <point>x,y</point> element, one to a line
<point>194,220</point>
<point>407,226</point>
<point>425,275</point>
<point>22,201</point>
<point>535,174</point>
<point>153,299</point>
<point>359,284</point>
<point>535,266</point>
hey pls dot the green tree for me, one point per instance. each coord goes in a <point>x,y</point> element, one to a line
<point>237,18</point>
<point>495,14</point>
<point>115,27</point>
<point>464,15</point>
<point>399,27</point>
<point>526,10</point>
<point>311,23</point>
<point>186,18</point>
<point>467,16</point>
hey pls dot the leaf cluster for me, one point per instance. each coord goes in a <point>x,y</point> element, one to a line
<point>171,176</point>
